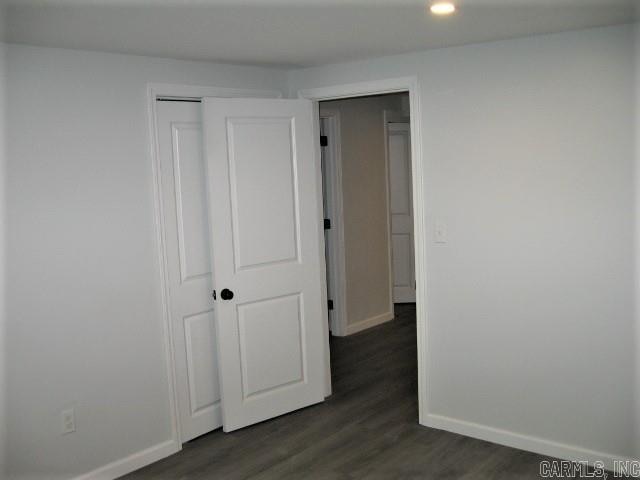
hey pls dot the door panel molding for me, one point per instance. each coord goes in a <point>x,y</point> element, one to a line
<point>285,215</point>
<point>186,274</point>
<point>260,383</point>
<point>198,404</point>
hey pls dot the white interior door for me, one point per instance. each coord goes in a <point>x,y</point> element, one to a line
<point>399,152</point>
<point>265,210</point>
<point>186,227</point>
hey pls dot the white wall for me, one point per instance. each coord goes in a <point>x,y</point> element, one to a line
<point>529,150</point>
<point>637,237</point>
<point>85,317</point>
<point>365,206</point>
<point>3,359</point>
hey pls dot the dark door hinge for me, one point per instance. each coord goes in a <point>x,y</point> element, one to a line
<point>327,223</point>
<point>324,140</point>
<point>330,304</point>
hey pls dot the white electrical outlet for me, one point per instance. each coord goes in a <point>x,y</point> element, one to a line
<point>68,421</point>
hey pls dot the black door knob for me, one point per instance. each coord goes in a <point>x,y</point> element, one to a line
<point>226,294</point>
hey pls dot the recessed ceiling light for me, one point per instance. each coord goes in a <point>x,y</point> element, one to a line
<point>443,8</point>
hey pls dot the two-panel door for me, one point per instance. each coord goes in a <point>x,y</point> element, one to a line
<point>188,256</point>
<point>266,230</point>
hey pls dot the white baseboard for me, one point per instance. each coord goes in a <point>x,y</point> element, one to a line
<point>522,442</point>
<point>368,323</point>
<point>133,462</point>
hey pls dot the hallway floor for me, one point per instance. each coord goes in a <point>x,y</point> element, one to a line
<point>367,429</point>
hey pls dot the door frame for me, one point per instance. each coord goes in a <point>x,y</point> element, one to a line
<point>418,168</point>
<point>181,93</point>
<point>336,277</point>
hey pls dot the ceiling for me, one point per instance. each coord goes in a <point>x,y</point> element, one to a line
<point>293,33</point>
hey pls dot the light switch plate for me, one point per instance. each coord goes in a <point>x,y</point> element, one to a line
<point>68,418</point>
<point>440,233</point>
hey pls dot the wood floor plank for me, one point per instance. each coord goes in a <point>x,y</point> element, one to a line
<point>368,428</point>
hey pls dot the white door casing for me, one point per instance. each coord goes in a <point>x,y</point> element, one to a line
<point>264,201</point>
<point>334,237</point>
<point>189,266</point>
<point>328,217</point>
<point>401,201</point>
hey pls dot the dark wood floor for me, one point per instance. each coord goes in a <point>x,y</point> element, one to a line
<point>367,429</point>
